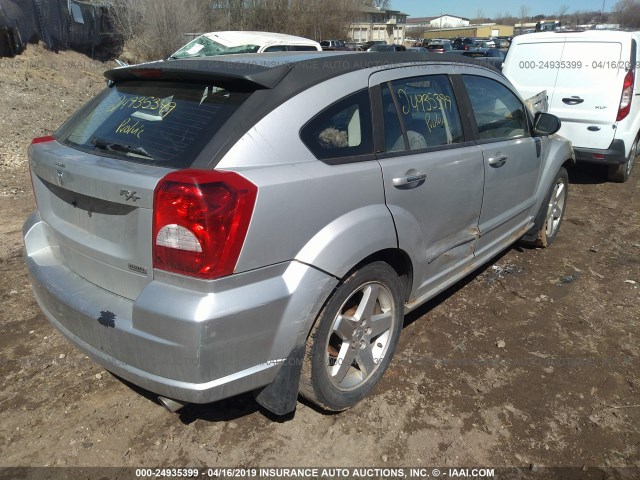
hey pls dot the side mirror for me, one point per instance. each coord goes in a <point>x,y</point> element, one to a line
<point>546,124</point>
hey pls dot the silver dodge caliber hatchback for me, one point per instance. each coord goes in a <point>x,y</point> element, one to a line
<point>249,223</point>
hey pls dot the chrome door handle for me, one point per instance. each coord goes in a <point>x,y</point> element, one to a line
<point>498,161</point>
<point>411,180</point>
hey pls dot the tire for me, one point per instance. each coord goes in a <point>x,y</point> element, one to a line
<point>554,207</point>
<point>347,353</point>
<point>621,173</point>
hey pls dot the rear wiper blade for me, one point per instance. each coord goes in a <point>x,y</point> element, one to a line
<point>103,144</point>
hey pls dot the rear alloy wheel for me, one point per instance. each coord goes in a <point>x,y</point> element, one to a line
<point>354,338</point>
<point>621,173</point>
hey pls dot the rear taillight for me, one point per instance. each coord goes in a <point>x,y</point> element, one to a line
<point>42,140</point>
<point>200,220</point>
<point>36,141</point>
<point>625,98</point>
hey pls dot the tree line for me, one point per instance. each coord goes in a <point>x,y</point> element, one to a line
<point>156,28</point>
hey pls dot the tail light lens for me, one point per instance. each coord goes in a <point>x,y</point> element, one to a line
<point>626,97</point>
<point>46,139</point>
<point>200,221</point>
<point>36,141</point>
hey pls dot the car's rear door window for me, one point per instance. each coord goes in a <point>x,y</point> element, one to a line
<point>158,123</point>
<point>419,113</point>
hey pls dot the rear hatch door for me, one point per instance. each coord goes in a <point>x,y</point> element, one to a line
<point>94,184</point>
<point>99,215</point>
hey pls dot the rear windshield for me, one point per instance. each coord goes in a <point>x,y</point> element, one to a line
<point>157,123</point>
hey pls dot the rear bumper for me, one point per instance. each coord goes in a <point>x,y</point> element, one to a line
<point>195,345</point>
<point>614,155</point>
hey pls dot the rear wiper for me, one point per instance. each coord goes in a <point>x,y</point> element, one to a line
<point>103,144</point>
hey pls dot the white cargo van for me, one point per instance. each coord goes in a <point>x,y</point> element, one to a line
<point>590,80</point>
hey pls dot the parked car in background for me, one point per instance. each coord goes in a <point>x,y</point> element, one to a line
<point>469,42</point>
<point>492,56</point>
<point>264,222</point>
<point>590,78</point>
<point>387,48</point>
<point>458,43</point>
<point>439,46</point>
<point>417,49</point>
<point>487,42</point>
<point>484,52</point>
<point>371,43</point>
<point>230,42</point>
<point>332,45</point>
<point>477,42</point>
<point>502,42</point>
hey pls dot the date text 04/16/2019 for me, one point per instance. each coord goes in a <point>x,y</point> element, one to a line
<point>577,64</point>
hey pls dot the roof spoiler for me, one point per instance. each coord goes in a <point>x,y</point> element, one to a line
<point>257,74</point>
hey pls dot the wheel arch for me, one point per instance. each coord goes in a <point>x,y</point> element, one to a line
<point>343,243</point>
<point>531,237</point>
<point>560,155</point>
<point>397,259</point>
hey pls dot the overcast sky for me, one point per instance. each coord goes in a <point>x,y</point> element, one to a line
<point>491,8</point>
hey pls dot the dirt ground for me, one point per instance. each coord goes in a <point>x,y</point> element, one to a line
<point>534,360</point>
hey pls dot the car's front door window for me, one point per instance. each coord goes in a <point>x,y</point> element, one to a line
<point>498,112</point>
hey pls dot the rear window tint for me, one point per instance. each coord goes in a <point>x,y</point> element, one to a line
<point>158,123</point>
